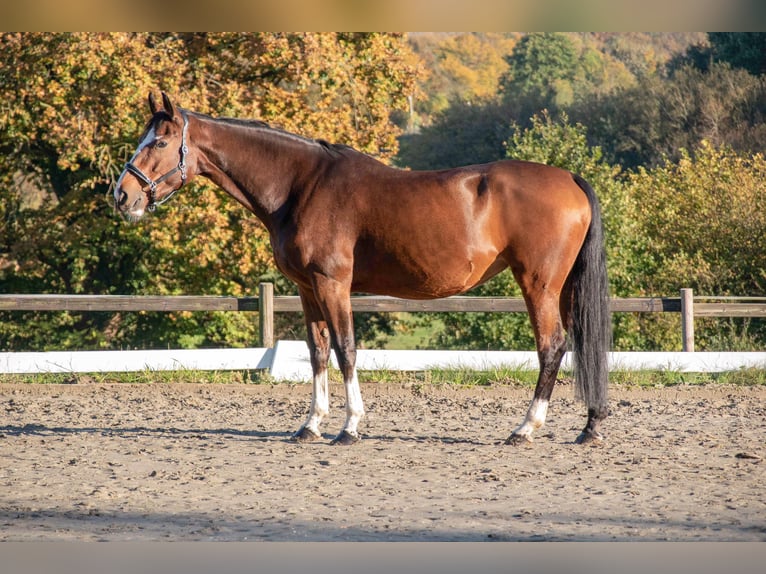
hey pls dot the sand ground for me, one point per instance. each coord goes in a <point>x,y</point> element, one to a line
<point>193,462</point>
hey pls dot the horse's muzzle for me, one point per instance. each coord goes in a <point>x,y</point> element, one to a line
<point>120,199</point>
<point>132,207</point>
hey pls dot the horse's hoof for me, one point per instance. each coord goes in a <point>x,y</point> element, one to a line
<point>305,434</point>
<point>346,438</point>
<point>518,439</point>
<point>593,438</point>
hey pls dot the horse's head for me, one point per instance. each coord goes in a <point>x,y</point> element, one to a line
<point>158,168</point>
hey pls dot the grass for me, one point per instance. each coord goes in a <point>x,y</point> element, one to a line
<point>141,377</point>
<point>458,377</point>
<point>668,378</point>
<point>413,333</point>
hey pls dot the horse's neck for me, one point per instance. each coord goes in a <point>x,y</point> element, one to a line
<point>256,166</point>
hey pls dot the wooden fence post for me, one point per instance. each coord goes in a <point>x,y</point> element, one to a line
<point>687,319</point>
<point>266,313</point>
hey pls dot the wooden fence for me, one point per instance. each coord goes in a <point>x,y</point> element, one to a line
<point>266,304</point>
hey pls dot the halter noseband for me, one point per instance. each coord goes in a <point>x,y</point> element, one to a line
<point>152,184</point>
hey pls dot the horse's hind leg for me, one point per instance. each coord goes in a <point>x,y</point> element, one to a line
<point>543,308</point>
<point>319,351</point>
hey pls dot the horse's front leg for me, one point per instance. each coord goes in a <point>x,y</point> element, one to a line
<point>319,351</point>
<point>349,434</point>
<point>335,300</point>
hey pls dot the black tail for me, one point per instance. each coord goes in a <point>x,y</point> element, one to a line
<point>591,322</point>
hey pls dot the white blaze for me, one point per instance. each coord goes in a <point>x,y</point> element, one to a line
<point>150,138</point>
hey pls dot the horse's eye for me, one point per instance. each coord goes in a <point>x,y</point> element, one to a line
<point>161,143</point>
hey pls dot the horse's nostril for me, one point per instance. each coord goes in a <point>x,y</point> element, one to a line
<point>122,198</point>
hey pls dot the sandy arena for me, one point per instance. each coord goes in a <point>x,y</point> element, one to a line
<point>185,462</point>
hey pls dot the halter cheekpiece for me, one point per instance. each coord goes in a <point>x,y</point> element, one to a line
<point>152,184</point>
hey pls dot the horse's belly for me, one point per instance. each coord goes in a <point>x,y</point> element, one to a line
<point>446,277</point>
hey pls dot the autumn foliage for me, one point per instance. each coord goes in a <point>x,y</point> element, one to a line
<point>669,129</point>
<point>73,106</point>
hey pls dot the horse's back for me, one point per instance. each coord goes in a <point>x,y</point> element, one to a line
<point>507,201</point>
<point>439,233</point>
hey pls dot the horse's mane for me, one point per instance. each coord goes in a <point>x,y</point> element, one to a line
<point>331,148</point>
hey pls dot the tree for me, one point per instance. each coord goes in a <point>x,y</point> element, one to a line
<point>701,228</point>
<point>542,67</point>
<point>73,106</point>
<point>641,125</point>
<point>463,134</point>
<point>463,68</point>
<point>740,49</point>
<point>544,71</point>
<point>68,118</point>
<point>648,54</point>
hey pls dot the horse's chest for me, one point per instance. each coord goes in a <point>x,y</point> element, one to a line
<point>288,260</point>
<point>298,256</point>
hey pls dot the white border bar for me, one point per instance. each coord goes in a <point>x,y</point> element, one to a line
<point>289,361</point>
<point>127,361</point>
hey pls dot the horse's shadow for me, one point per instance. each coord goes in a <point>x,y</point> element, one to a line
<point>43,430</point>
<point>133,431</point>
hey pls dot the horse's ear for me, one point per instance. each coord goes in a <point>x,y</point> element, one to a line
<point>169,107</point>
<point>153,103</point>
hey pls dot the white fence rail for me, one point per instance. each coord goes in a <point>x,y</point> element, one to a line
<point>289,361</point>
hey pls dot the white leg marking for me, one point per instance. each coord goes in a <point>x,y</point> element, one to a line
<point>354,405</point>
<point>320,402</point>
<point>535,418</point>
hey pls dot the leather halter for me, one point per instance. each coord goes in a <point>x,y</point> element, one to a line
<point>152,184</point>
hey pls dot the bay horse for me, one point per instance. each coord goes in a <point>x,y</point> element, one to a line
<point>341,221</point>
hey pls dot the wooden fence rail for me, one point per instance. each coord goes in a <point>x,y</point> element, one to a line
<point>266,304</point>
